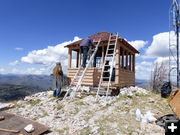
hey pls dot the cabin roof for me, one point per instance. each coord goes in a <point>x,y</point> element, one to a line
<point>104,37</point>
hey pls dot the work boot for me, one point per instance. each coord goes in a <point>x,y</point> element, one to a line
<point>54,93</point>
<point>58,92</point>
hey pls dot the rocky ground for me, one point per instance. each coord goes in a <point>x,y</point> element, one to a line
<point>84,115</point>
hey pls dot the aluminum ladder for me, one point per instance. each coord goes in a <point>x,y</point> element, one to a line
<point>75,87</point>
<point>110,56</point>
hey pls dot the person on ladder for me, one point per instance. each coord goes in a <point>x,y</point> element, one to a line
<point>57,79</point>
<point>85,44</point>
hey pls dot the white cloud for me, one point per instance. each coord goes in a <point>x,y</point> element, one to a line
<point>49,55</point>
<point>146,63</point>
<point>19,49</point>
<point>2,70</point>
<point>33,71</point>
<point>159,46</point>
<point>14,63</point>
<point>138,44</point>
<point>162,59</point>
<point>143,70</point>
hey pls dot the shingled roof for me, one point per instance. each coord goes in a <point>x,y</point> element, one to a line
<point>104,37</point>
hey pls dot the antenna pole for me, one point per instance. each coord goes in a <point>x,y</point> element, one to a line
<point>177,33</point>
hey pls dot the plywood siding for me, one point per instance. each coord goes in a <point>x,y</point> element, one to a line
<point>127,78</point>
<point>88,78</point>
<point>92,77</point>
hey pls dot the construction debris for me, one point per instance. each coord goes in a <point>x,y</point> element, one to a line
<point>4,106</point>
<point>164,119</point>
<point>174,102</point>
<point>29,128</point>
<point>15,124</point>
<point>146,118</point>
<point>8,130</point>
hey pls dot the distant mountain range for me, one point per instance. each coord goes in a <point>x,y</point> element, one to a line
<point>142,83</point>
<point>41,81</point>
<point>14,87</point>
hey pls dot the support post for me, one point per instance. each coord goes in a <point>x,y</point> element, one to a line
<point>177,32</point>
<point>122,58</point>
<point>117,64</point>
<point>130,62</point>
<point>77,59</point>
<point>127,60</point>
<point>69,57</point>
<point>133,63</point>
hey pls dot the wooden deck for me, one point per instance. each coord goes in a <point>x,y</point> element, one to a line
<point>15,122</point>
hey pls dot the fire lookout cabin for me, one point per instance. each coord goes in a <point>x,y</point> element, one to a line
<point>123,69</point>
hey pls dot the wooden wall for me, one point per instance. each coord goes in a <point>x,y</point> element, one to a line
<point>124,75</point>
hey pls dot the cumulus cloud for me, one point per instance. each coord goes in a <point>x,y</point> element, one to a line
<point>162,59</point>
<point>14,63</point>
<point>146,63</point>
<point>2,70</point>
<point>19,49</point>
<point>160,45</point>
<point>49,55</point>
<point>143,70</point>
<point>33,71</point>
<point>138,44</point>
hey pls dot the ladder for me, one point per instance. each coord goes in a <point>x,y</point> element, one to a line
<point>75,87</point>
<point>110,56</point>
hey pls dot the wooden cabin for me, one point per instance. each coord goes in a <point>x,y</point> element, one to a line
<point>124,68</point>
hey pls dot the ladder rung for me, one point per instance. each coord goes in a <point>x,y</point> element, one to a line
<point>113,35</point>
<point>104,85</point>
<point>95,41</point>
<point>105,77</point>
<point>109,55</point>
<point>106,71</point>
<point>112,39</point>
<point>108,58</point>
<point>112,45</point>
<point>110,49</point>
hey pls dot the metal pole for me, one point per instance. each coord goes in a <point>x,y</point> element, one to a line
<point>177,32</point>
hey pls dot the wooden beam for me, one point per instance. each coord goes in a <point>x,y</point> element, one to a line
<point>133,62</point>
<point>117,64</point>
<point>126,59</point>
<point>130,62</point>
<point>77,59</point>
<point>122,58</point>
<point>69,58</point>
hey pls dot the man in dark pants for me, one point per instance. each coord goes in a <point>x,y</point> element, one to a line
<point>85,44</point>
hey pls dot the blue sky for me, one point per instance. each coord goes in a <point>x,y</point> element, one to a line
<point>33,25</point>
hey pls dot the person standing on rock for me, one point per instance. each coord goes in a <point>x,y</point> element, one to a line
<point>57,79</point>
